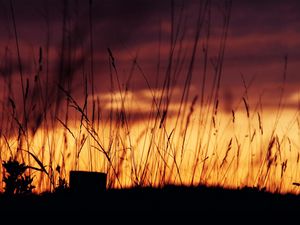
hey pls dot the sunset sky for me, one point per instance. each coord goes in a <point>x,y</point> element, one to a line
<point>261,34</point>
<point>150,71</point>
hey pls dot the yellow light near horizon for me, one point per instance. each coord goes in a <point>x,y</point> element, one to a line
<point>230,152</point>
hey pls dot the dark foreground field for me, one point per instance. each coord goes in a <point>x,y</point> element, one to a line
<point>169,205</point>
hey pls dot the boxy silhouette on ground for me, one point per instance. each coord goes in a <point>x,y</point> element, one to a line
<point>87,182</point>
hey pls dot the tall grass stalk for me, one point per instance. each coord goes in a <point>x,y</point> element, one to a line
<point>184,137</point>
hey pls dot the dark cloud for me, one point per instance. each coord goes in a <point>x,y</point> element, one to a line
<point>262,17</point>
<point>261,33</point>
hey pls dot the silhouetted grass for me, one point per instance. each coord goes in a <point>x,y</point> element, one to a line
<point>168,205</point>
<point>185,137</point>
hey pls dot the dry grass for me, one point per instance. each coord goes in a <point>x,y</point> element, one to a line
<point>183,139</point>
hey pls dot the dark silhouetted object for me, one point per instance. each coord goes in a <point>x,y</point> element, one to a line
<point>87,182</point>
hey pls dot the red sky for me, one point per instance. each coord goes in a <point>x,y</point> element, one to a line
<point>260,35</point>
<point>62,42</point>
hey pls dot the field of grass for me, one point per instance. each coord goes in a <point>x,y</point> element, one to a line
<point>168,205</point>
<point>173,132</point>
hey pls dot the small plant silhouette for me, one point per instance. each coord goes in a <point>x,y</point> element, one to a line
<point>15,179</point>
<point>62,183</point>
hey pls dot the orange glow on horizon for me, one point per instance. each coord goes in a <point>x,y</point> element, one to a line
<point>211,153</point>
